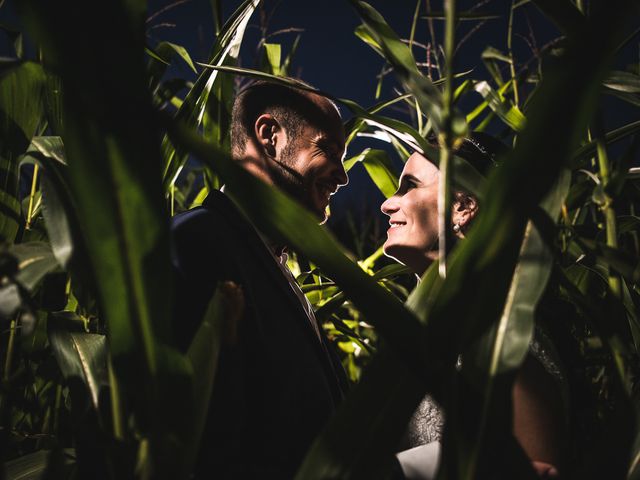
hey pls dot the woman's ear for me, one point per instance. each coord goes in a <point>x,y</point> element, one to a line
<point>465,208</point>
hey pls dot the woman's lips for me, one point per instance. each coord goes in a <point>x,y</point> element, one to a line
<point>394,225</point>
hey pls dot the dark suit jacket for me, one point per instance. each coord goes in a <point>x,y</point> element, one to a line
<point>278,385</point>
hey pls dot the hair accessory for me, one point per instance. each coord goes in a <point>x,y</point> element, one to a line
<point>456,228</point>
<point>480,148</point>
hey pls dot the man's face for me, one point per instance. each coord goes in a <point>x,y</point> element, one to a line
<point>313,169</point>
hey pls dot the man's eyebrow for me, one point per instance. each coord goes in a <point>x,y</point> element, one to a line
<point>324,142</point>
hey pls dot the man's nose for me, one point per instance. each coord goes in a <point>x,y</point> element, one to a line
<point>341,177</point>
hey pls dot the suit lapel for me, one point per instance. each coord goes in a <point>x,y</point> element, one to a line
<point>225,207</point>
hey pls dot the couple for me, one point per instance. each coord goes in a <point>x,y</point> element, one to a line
<point>279,380</point>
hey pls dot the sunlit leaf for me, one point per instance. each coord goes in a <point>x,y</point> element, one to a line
<point>193,109</point>
<point>398,55</point>
<point>273,53</point>
<point>508,113</point>
<point>378,166</point>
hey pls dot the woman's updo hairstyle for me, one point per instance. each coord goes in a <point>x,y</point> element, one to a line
<point>481,150</point>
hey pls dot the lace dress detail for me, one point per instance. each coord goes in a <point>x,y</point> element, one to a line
<point>427,423</point>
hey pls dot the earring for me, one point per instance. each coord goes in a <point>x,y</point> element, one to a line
<point>456,228</point>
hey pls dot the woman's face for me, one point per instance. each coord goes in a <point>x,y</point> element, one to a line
<point>412,237</point>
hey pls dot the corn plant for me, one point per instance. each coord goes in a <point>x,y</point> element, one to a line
<point>93,384</point>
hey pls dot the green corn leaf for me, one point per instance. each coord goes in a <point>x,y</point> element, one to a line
<point>490,56</point>
<point>483,106</point>
<point>508,113</point>
<point>503,349</point>
<point>21,111</point>
<point>632,316</point>
<point>286,65</point>
<point>355,125</point>
<point>462,16</point>
<point>362,435</point>
<point>161,58</point>
<point>153,54</point>
<point>193,110</point>
<point>203,356</point>
<point>35,261</point>
<point>362,32</point>
<point>623,82</point>
<point>529,281</point>
<point>631,98</point>
<point>112,152</point>
<point>622,262</point>
<point>180,51</point>
<point>390,271</point>
<point>37,465</point>
<point>273,54</point>
<point>588,150</point>
<point>81,356</point>
<point>398,55</point>
<point>48,153</point>
<point>378,166</point>
<point>60,215</point>
<point>563,13</point>
<point>628,223</point>
<point>53,103</point>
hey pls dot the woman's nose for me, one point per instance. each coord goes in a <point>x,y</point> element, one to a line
<point>389,206</point>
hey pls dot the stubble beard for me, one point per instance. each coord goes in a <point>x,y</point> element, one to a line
<point>286,177</point>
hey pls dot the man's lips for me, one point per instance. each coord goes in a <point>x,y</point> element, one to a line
<point>325,190</point>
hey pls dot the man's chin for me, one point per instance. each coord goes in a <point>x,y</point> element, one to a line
<point>321,215</point>
<point>319,210</point>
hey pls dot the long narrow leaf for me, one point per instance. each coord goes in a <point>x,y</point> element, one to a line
<point>21,111</point>
<point>193,109</point>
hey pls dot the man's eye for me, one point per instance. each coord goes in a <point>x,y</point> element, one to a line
<point>411,184</point>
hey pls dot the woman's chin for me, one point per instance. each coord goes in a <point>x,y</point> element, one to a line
<point>397,252</point>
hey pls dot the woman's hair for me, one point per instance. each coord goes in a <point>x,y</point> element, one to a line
<point>480,149</point>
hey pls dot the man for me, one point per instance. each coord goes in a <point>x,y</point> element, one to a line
<point>280,381</point>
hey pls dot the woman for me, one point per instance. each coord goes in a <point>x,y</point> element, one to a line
<point>412,239</point>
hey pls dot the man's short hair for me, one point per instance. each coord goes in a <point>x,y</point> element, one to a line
<point>292,107</point>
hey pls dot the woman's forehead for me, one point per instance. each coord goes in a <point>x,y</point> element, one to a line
<point>421,168</point>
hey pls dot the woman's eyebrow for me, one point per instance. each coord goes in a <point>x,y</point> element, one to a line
<point>408,176</point>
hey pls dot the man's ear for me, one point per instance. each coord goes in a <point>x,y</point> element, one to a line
<point>268,133</point>
<point>465,208</point>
